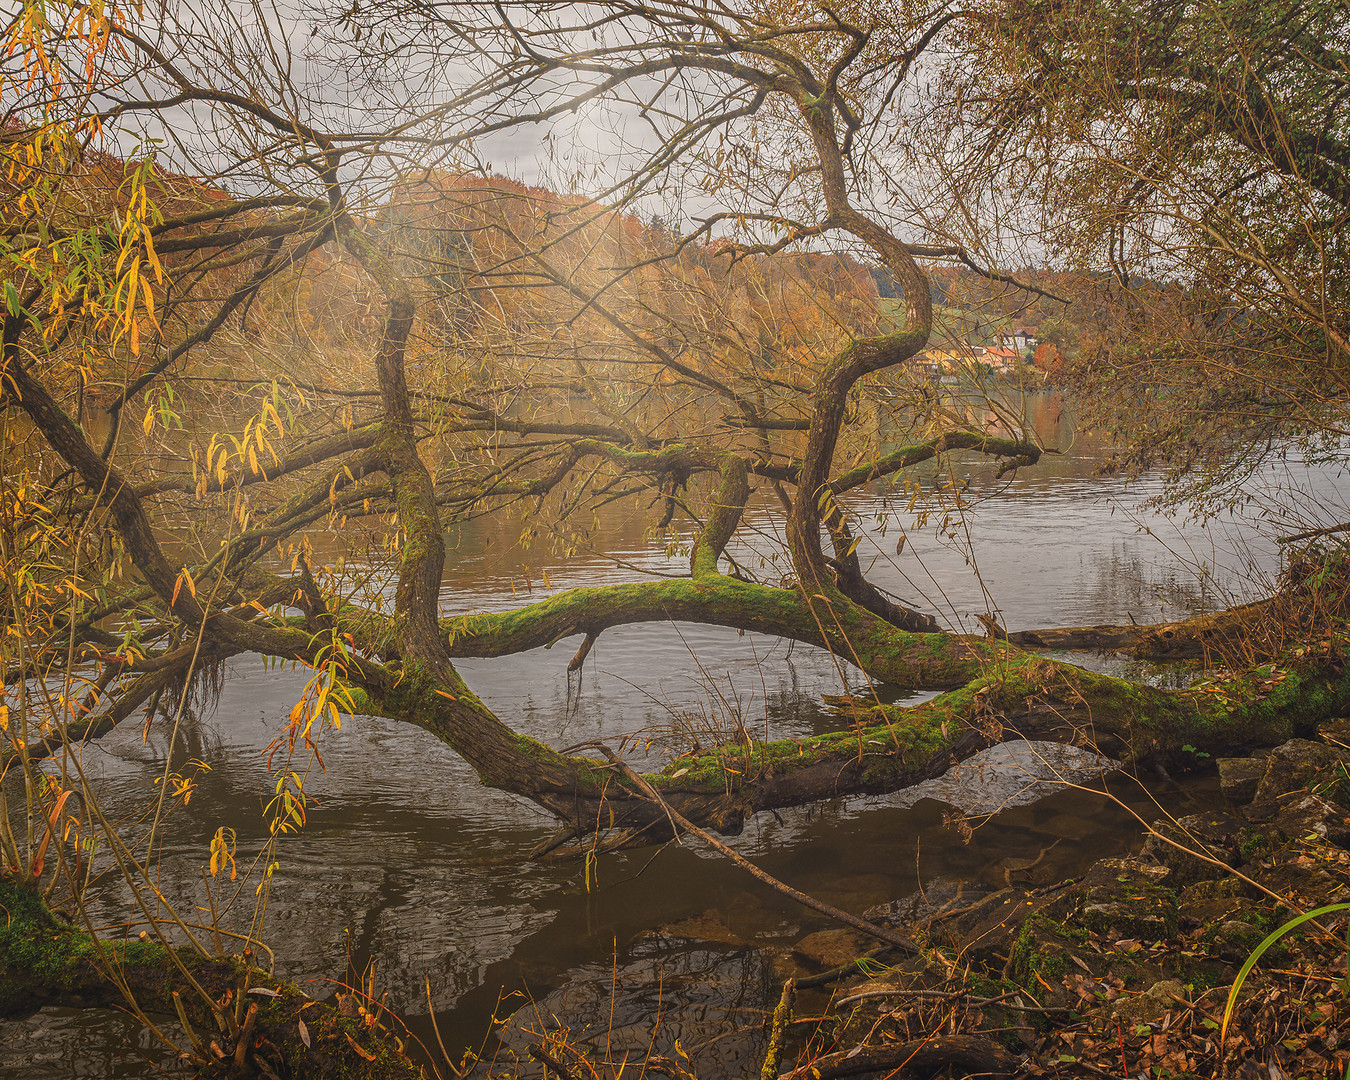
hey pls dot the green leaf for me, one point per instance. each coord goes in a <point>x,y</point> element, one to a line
<point>1260,951</point>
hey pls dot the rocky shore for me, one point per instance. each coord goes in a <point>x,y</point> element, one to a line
<point>1123,972</point>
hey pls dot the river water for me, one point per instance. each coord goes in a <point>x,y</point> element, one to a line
<point>406,858</point>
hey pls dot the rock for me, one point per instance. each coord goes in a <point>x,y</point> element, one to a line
<point>1256,842</point>
<point>1280,778</point>
<point>1312,816</point>
<point>1116,872</point>
<point>1208,902</point>
<point>832,948</point>
<point>1078,827</point>
<point>1214,833</point>
<point>1294,765</point>
<point>1152,1003</point>
<point>1233,940</point>
<point>607,1008</point>
<point>1336,730</point>
<point>1213,889</point>
<point>1207,912</point>
<point>987,931</point>
<point>938,896</point>
<point>1046,952</point>
<point>1240,777</point>
<point>1319,755</point>
<point>1124,898</point>
<point>710,925</point>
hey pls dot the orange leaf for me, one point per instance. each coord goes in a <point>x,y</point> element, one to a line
<point>40,857</point>
<point>357,1047</point>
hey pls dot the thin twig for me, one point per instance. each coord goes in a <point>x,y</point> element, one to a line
<point>676,818</point>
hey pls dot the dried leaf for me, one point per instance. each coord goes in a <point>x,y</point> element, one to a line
<point>359,1049</point>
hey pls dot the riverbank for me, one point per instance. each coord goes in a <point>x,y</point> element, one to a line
<point>1125,971</point>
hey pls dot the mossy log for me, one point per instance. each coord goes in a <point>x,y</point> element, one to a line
<point>46,961</point>
<point>884,651</point>
<point>996,692</point>
<point>1199,637</point>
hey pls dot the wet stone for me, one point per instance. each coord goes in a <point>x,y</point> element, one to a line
<point>711,1002</point>
<point>937,896</point>
<point>832,948</point>
<point>1214,833</point>
<point>1240,777</point>
<point>988,930</point>
<point>1123,873</point>
<point>1077,827</point>
<point>1125,898</point>
<point>1021,871</point>
<point>710,926</point>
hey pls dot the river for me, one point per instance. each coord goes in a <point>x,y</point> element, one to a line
<point>408,859</point>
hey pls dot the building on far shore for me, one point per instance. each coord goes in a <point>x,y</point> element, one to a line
<point>1001,359</point>
<point>1022,339</point>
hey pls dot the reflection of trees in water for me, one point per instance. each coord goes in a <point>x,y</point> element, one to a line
<point>717,692</point>
<point>710,1001</point>
<point>1127,585</point>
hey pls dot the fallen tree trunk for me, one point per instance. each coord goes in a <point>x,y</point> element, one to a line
<point>1199,637</point>
<point>895,656</point>
<point>1014,694</point>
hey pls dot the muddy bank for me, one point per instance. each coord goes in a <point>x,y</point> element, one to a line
<point>1124,971</point>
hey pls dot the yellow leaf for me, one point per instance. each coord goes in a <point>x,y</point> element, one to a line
<point>148,299</point>
<point>154,260</point>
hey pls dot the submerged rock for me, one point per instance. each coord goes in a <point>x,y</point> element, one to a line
<point>1239,777</point>
<point>832,948</point>
<point>710,926</point>
<point>937,897</point>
